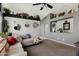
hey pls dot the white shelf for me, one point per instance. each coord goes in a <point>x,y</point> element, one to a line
<point>62,17</point>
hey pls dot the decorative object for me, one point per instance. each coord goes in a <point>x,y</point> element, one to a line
<point>3,35</point>
<point>18,27</point>
<point>11,40</point>
<point>35,24</point>
<point>10,34</point>
<point>27,25</point>
<point>52,16</point>
<point>6,11</point>
<point>71,11</point>
<point>27,16</point>
<point>61,14</point>
<point>15,27</point>
<point>52,26</point>
<point>66,25</point>
<point>37,17</point>
<point>23,15</point>
<point>30,17</point>
<point>60,30</point>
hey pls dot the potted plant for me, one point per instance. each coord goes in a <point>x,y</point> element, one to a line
<point>60,30</point>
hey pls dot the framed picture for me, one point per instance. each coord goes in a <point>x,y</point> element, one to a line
<point>17,27</point>
<point>66,25</point>
<point>35,25</point>
<point>27,25</point>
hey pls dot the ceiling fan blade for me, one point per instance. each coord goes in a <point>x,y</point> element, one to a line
<point>37,4</point>
<point>49,6</point>
<point>41,8</point>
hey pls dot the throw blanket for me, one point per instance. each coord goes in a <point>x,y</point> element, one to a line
<point>3,44</point>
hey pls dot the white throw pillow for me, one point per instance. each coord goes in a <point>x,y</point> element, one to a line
<point>35,40</point>
<point>19,38</point>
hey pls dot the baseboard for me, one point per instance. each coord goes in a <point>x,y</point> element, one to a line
<point>60,42</point>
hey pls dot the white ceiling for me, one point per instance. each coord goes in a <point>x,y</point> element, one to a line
<point>34,10</point>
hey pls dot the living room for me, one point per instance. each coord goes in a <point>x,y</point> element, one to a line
<point>39,29</point>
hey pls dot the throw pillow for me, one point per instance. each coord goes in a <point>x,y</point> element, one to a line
<point>36,40</point>
<point>19,38</point>
<point>26,36</point>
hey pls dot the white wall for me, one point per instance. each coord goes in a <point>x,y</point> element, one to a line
<point>22,22</point>
<point>0,22</point>
<point>59,24</point>
<point>69,38</point>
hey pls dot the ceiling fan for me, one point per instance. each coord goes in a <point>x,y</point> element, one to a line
<point>43,5</point>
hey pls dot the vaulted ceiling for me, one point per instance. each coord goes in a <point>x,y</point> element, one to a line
<point>34,10</point>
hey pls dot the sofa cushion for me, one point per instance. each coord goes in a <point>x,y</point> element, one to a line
<point>26,36</point>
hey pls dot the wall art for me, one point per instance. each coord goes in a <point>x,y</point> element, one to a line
<point>35,24</point>
<point>66,25</point>
<point>18,27</point>
<point>27,25</point>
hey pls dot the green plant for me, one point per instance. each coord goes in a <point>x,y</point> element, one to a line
<point>61,30</point>
<point>9,34</point>
<point>6,11</point>
<point>5,26</point>
<point>3,35</point>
